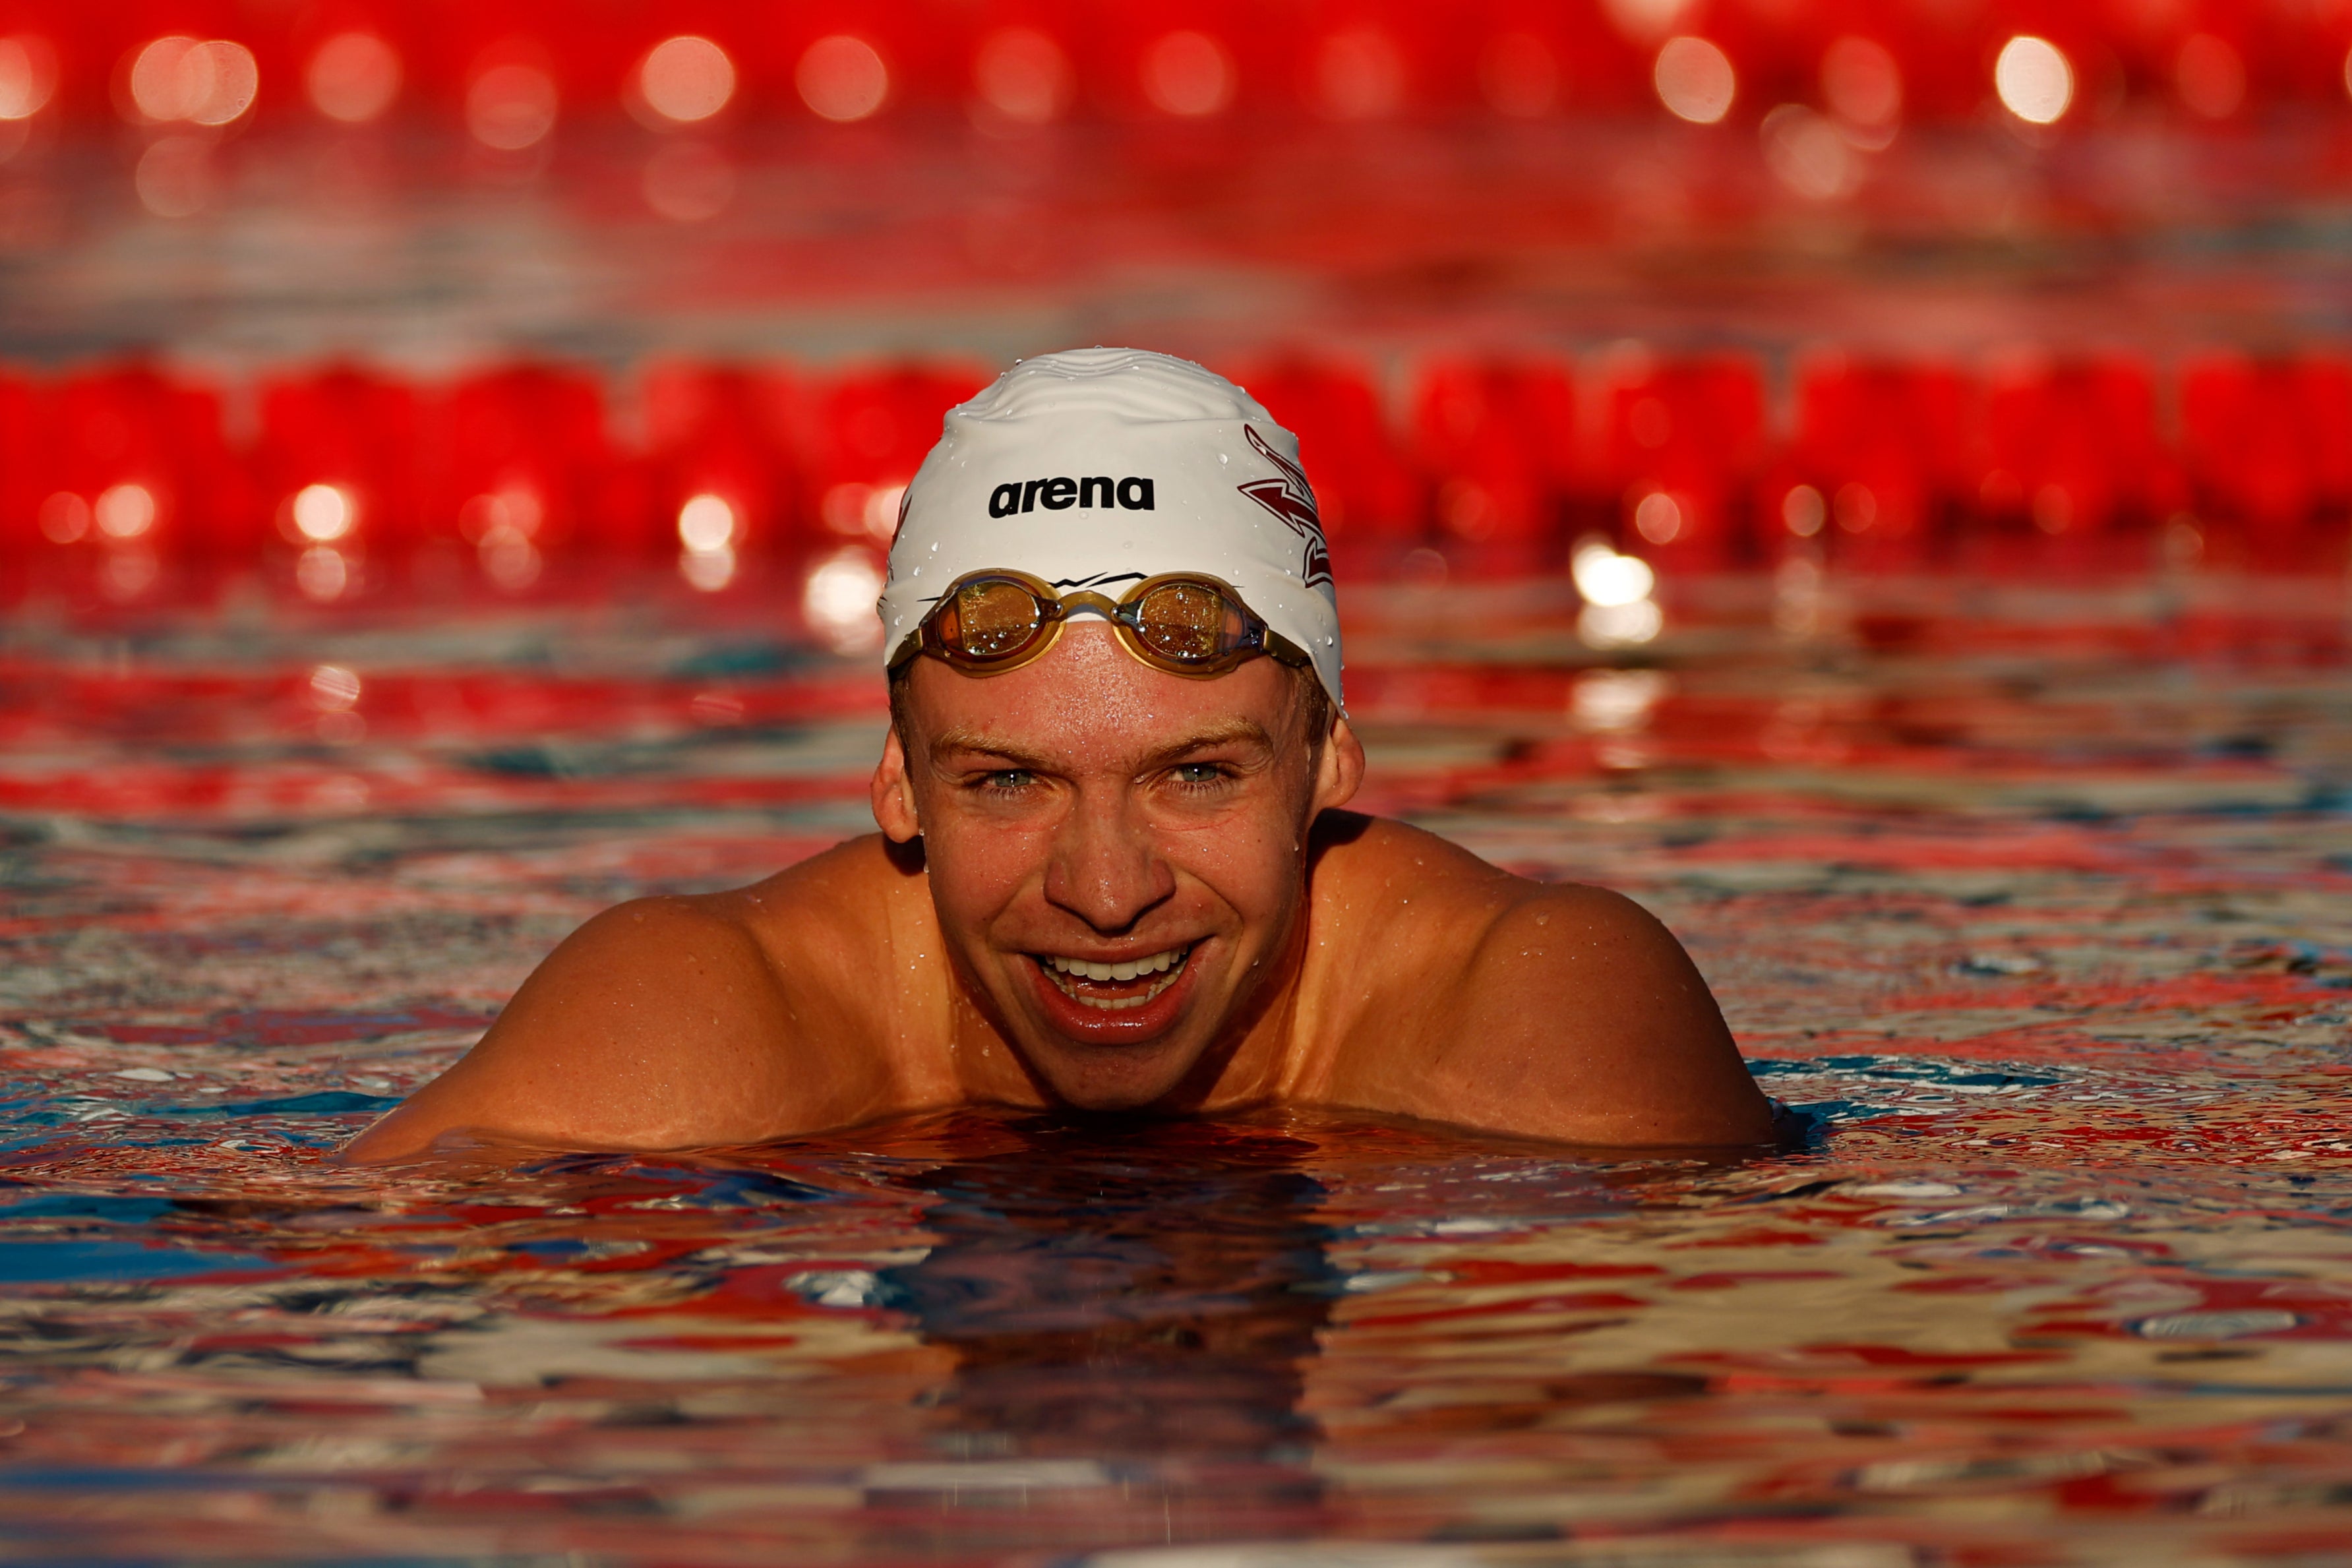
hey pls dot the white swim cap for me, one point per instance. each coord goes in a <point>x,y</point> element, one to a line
<point>1099,468</point>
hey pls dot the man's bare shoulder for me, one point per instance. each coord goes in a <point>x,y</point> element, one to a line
<point>1460,992</point>
<point>674,1021</point>
<point>828,910</point>
<point>1388,872</point>
<point>1399,904</point>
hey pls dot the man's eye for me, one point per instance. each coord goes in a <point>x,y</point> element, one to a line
<point>1008,779</point>
<point>1197,774</point>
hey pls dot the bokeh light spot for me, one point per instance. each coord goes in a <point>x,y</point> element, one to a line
<point>197,80</point>
<point>1862,83</point>
<point>2033,78</point>
<point>690,182</point>
<point>511,107</point>
<point>64,518</point>
<point>510,562</point>
<point>1188,74</point>
<point>1809,154</point>
<point>1605,577</point>
<point>842,79</point>
<point>706,523</point>
<point>1360,74</point>
<point>1802,512</point>
<point>334,689</point>
<point>1695,81</point>
<point>514,512</point>
<point>1023,75</point>
<point>125,510</point>
<point>2210,77</point>
<point>354,78</point>
<point>686,78</point>
<point>28,76</point>
<point>128,571</point>
<point>323,513</point>
<point>1616,701</point>
<point>707,571</point>
<point>321,575</point>
<point>174,177</point>
<point>1644,21</point>
<point>839,597</point>
<point>1658,518</point>
<point>862,510</point>
<point>1855,507</point>
<point>1620,626</point>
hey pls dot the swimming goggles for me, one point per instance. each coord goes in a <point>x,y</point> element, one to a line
<point>1185,623</point>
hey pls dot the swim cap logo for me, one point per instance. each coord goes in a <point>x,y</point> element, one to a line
<point>1291,498</point>
<point>1135,494</point>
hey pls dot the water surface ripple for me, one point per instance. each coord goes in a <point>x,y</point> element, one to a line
<point>2031,900</point>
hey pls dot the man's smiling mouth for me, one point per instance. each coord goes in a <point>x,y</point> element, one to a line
<point>1117,986</point>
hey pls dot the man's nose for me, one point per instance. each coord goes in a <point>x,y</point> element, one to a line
<point>1105,869</point>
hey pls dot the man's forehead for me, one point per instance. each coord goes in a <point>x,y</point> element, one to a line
<point>1103,742</point>
<point>1097,704</point>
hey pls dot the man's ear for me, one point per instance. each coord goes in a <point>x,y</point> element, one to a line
<point>894,794</point>
<point>1339,771</point>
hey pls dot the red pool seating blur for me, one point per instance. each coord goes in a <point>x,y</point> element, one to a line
<point>724,432</point>
<point>338,456</point>
<point>2073,446</point>
<point>1682,447</point>
<point>2268,446</point>
<point>873,426</point>
<point>131,456</point>
<point>530,465</point>
<point>1701,461</point>
<point>1497,439</point>
<point>494,65</point>
<point>1880,463</point>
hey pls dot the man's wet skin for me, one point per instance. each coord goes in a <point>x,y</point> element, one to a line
<point>1100,885</point>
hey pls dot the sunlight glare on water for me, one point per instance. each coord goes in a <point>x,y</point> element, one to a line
<point>2032,901</point>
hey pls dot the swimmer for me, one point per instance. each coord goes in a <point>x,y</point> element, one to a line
<point>1114,871</point>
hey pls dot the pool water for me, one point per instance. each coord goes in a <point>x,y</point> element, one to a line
<point>2032,897</point>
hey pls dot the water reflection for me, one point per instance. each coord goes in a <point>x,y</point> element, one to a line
<point>2041,911</point>
<point>1140,1302</point>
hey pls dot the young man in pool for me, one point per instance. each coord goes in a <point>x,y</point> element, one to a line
<point>1113,872</point>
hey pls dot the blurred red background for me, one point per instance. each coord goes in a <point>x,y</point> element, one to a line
<point>365,299</point>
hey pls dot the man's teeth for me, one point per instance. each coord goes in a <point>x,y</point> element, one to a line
<point>1126,969</point>
<point>1166,965</point>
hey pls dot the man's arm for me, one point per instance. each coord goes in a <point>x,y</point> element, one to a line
<point>658,1025</point>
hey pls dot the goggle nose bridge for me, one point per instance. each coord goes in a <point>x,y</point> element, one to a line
<point>1084,600</point>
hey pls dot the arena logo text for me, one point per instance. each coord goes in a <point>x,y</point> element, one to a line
<point>1061,494</point>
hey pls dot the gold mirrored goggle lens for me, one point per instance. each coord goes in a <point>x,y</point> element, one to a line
<point>1188,623</point>
<point>991,619</point>
<point>1183,625</point>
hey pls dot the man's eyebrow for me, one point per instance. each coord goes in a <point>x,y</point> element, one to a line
<point>1247,731</point>
<point>972,741</point>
